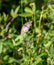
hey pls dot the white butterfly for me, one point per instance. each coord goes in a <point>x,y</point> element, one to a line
<point>26,27</point>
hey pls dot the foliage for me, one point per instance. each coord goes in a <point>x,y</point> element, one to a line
<point>36,46</point>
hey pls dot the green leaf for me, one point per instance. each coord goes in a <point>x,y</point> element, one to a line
<point>29,10</point>
<point>5,17</point>
<point>48,44</point>
<point>25,15</point>
<point>39,60</point>
<point>15,15</point>
<point>51,33</point>
<point>17,9</point>
<point>1,46</point>
<point>51,52</point>
<point>12,13</point>
<point>11,60</point>
<point>5,57</point>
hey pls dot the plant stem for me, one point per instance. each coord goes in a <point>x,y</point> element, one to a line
<point>21,12</point>
<point>40,21</point>
<point>8,25</point>
<point>34,24</point>
<point>34,18</point>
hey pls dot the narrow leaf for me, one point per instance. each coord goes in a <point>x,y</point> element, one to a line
<point>25,15</point>
<point>17,9</point>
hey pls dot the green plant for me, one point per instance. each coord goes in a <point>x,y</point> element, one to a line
<point>34,47</point>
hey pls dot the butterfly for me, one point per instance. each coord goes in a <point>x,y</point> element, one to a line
<point>26,27</point>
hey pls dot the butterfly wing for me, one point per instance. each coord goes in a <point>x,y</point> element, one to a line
<point>26,27</point>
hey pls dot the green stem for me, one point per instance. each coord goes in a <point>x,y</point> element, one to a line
<point>34,23</point>
<point>34,17</point>
<point>21,11</point>
<point>40,21</point>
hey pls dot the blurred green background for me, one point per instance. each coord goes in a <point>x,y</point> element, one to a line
<point>34,47</point>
